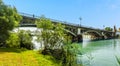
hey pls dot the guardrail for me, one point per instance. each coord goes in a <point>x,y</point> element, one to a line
<point>28,15</point>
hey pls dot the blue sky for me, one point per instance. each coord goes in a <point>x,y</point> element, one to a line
<point>94,13</point>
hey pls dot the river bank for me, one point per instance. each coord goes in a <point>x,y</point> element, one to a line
<point>22,57</point>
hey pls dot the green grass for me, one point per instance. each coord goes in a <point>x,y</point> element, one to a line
<point>20,57</point>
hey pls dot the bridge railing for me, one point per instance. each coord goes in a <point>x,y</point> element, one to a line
<point>64,22</point>
<point>28,15</point>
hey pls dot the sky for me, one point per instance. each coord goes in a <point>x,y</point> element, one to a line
<point>94,13</point>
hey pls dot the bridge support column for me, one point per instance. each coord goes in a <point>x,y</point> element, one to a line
<point>79,31</point>
<point>107,35</point>
<point>79,38</point>
<point>103,35</point>
<point>79,35</point>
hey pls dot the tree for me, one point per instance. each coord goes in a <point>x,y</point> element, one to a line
<point>9,18</point>
<point>108,29</point>
<point>55,41</point>
<point>44,23</point>
<point>51,35</point>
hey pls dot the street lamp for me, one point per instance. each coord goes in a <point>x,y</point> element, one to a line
<point>80,21</point>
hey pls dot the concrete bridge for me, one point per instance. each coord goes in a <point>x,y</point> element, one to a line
<point>75,30</point>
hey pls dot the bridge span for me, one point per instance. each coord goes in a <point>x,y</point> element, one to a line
<point>75,30</point>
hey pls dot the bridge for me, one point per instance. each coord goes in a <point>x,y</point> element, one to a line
<point>75,30</point>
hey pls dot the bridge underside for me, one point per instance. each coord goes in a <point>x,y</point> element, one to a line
<point>108,35</point>
<point>99,34</point>
<point>92,35</point>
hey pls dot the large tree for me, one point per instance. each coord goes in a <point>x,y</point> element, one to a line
<point>9,18</point>
<point>52,35</point>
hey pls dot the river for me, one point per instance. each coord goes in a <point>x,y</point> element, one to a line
<point>99,53</point>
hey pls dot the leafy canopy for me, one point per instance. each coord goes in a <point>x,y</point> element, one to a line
<point>44,23</point>
<point>9,18</point>
<point>52,35</point>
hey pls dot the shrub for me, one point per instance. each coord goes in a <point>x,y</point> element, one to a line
<point>22,39</point>
<point>13,41</point>
<point>25,40</point>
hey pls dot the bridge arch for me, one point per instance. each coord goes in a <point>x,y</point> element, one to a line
<point>70,32</point>
<point>107,34</point>
<point>93,32</point>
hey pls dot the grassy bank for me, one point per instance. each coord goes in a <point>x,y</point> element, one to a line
<point>20,57</point>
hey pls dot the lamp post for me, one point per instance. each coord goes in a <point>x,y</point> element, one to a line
<point>80,21</point>
<point>79,32</point>
<point>79,29</point>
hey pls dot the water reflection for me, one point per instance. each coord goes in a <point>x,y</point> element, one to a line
<point>85,42</point>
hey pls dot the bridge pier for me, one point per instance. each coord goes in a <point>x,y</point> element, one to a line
<point>77,38</point>
<point>107,35</point>
<point>79,35</point>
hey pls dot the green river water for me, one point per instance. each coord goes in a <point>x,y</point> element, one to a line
<point>99,53</point>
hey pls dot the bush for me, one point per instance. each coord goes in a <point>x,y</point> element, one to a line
<point>13,41</point>
<point>25,40</point>
<point>67,55</point>
<point>22,39</point>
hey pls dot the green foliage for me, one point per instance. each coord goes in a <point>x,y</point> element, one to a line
<point>22,39</point>
<point>51,35</point>
<point>57,36</point>
<point>118,59</point>
<point>44,23</point>
<point>108,29</point>
<point>13,41</point>
<point>9,18</point>
<point>17,17</point>
<point>25,40</point>
<point>69,54</point>
<point>56,42</point>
